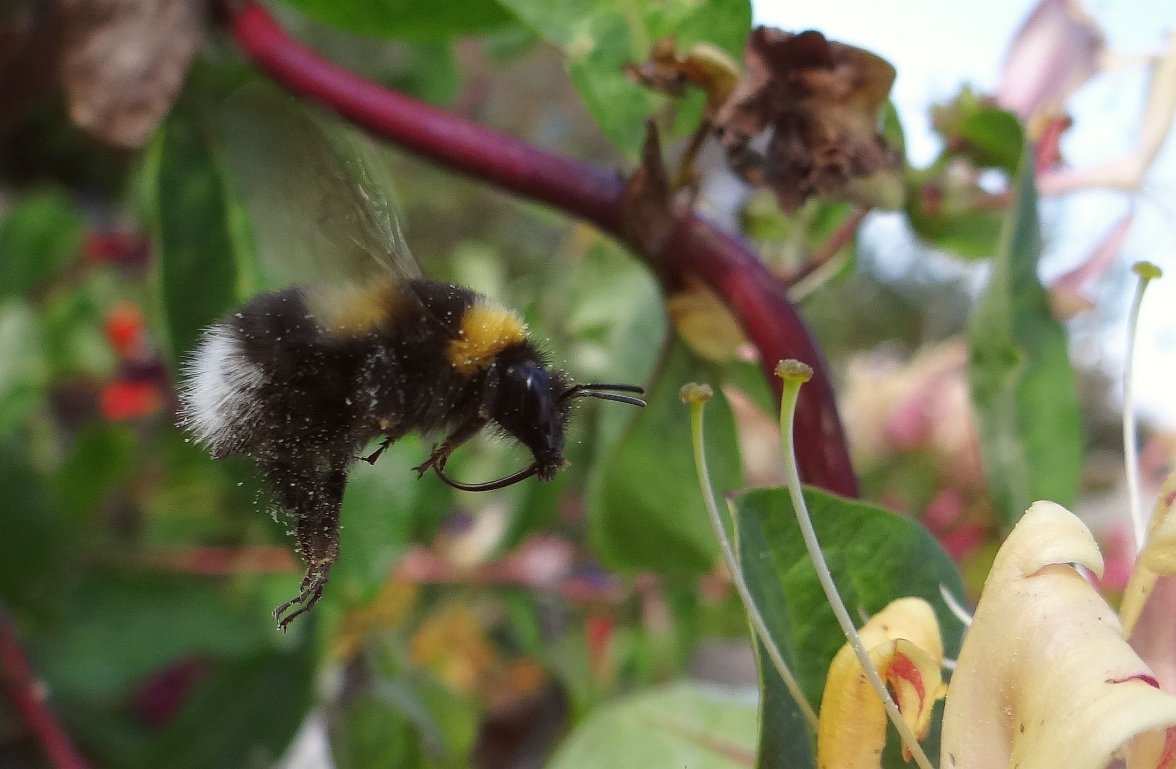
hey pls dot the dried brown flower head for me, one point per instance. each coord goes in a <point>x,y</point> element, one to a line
<point>124,61</point>
<point>804,119</point>
<point>703,65</point>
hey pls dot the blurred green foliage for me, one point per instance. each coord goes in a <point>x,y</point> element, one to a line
<point>540,621</point>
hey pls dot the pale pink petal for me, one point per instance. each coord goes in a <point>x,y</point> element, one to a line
<point>1154,636</point>
<point>1158,556</point>
<point>1056,50</point>
<point>1127,171</point>
<point>1100,259</point>
<point>1149,602</point>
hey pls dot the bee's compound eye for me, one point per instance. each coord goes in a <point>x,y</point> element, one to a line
<point>528,408</point>
<point>528,395</point>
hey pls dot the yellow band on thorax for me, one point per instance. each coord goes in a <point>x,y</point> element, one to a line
<point>354,310</point>
<point>486,329</point>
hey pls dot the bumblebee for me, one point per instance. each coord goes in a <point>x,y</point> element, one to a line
<point>303,378</point>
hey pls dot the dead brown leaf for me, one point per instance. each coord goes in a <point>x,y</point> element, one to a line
<point>705,66</point>
<point>804,119</point>
<point>123,62</point>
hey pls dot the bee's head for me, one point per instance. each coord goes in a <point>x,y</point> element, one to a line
<point>528,404</point>
<point>532,404</point>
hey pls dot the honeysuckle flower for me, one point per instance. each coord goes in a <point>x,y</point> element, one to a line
<point>1045,677</point>
<point>906,649</point>
<point>1127,171</point>
<point>1057,49</point>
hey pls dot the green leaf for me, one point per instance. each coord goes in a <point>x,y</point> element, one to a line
<point>951,212</point>
<point>377,522</point>
<point>682,724</point>
<point>103,458</point>
<point>371,731</point>
<point>875,557</point>
<point>1023,384</point>
<point>192,220</point>
<point>117,629</point>
<point>435,20</point>
<point>25,374</point>
<point>602,37</point>
<point>644,510</point>
<point>993,139</point>
<point>946,213</point>
<point>41,233</point>
<point>238,712</point>
<point>37,532</point>
<point>403,719</point>
<point>785,740</point>
<point>244,714</point>
<point>987,136</point>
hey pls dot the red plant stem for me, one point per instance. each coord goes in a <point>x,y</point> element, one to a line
<point>696,247</point>
<point>27,695</point>
<point>207,561</point>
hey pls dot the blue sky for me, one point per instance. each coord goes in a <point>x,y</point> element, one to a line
<point>937,46</point>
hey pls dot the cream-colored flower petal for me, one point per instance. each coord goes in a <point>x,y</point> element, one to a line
<point>1045,678</point>
<point>905,647</point>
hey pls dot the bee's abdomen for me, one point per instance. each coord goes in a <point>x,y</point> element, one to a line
<point>220,399</point>
<point>267,377</point>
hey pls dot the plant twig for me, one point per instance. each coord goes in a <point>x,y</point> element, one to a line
<point>837,241</point>
<point>27,695</point>
<point>693,248</point>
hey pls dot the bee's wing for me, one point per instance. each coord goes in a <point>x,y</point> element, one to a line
<point>317,194</point>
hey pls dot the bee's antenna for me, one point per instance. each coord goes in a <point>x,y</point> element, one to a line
<point>501,483</point>
<point>601,391</point>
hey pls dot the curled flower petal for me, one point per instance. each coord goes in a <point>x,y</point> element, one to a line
<point>704,322</point>
<point>905,647</point>
<point>1045,677</point>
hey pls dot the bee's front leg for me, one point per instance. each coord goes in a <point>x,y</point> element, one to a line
<point>459,436</point>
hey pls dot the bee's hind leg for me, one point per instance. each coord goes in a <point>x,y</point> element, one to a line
<point>312,590</point>
<point>313,493</point>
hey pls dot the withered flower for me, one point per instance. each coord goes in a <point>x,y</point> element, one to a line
<point>804,120</point>
<point>123,63</point>
<point>703,65</point>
